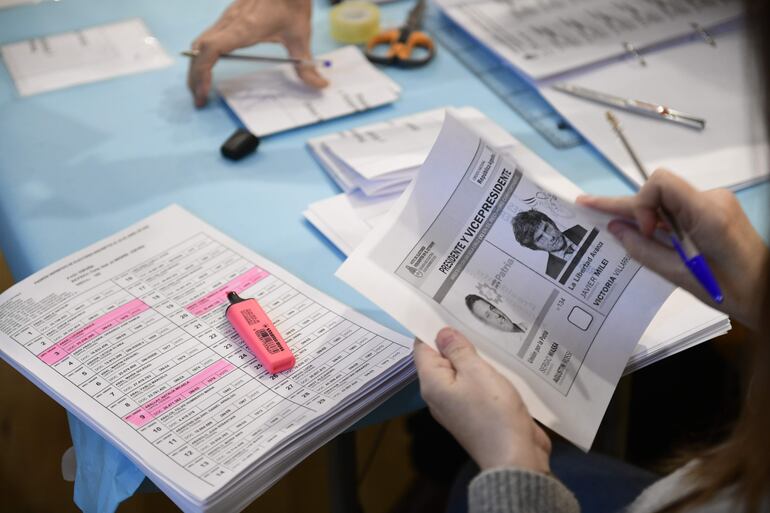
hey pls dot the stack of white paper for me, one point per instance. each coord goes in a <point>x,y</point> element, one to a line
<point>346,220</point>
<point>273,100</point>
<point>382,158</point>
<point>682,323</point>
<point>130,335</point>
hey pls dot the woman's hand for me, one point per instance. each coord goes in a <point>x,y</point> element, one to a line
<point>717,225</point>
<point>248,22</point>
<point>478,406</point>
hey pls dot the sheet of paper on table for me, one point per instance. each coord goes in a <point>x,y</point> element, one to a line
<point>273,100</point>
<point>448,245</point>
<point>544,38</point>
<point>712,82</point>
<point>130,335</point>
<point>89,55</point>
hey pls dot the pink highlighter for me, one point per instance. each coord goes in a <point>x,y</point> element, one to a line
<point>259,333</point>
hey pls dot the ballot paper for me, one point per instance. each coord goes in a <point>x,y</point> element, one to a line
<point>544,38</point>
<point>683,322</point>
<point>712,82</point>
<point>53,62</point>
<point>274,99</point>
<point>130,335</point>
<point>382,158</point>
<point>480,242</point>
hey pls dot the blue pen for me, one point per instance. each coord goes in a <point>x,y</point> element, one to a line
<point>681,241</point>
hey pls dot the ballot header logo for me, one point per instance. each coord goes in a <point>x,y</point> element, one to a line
<point>415,272</point>
<point>419,265</point>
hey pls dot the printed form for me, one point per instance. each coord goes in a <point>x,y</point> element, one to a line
<point>273,100</point>
<point>544,38</point>
<point>480,242</point>
<point>97,53</point>
<point>130,334</point>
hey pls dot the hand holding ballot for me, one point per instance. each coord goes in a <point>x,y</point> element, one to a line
<point>482,242</point>
<point>481,408</point>
<point>469,394</point>
<point>718,226</point>
<point>248,22</point>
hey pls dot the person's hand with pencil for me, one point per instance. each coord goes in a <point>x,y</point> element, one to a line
<point>248,22</point>
<point>716,224</point>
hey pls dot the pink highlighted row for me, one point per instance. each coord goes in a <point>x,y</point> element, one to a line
<point>179,393</point>
<point>219,295</point>
<point>77,339</point>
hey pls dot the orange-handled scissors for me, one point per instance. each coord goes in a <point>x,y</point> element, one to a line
<point>407,46</point>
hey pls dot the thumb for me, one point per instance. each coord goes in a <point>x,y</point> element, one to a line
<point>299,48</point>
<point>456,348</point>
<point>657,257</point>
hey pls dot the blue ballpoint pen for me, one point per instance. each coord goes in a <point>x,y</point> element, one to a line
<point>681,241</point>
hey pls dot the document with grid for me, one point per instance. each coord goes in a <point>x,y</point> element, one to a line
<point>130,335</point>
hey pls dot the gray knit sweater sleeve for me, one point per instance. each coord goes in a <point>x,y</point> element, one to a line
<point>511,490</point>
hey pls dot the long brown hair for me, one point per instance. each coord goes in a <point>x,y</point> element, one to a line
<point>743,460</point>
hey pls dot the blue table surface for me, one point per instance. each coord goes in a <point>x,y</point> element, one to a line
<point>78,164</point>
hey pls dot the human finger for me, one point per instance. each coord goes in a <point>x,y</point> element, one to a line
<point>541,438</point>
<point>627,207</point>
<point>207,49</point>
<point>651,253</point>
<point>456,348</point>
<point>227,34</point>
<point>433,369</point>
<point>621,206</point>
<point>298,47</point>
<point>669,191</point>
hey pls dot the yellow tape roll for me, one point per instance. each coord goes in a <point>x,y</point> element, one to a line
<point>355,22</point>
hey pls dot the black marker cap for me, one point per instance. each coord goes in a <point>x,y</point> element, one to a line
<point>240,144</point>
<point>234,298</point>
